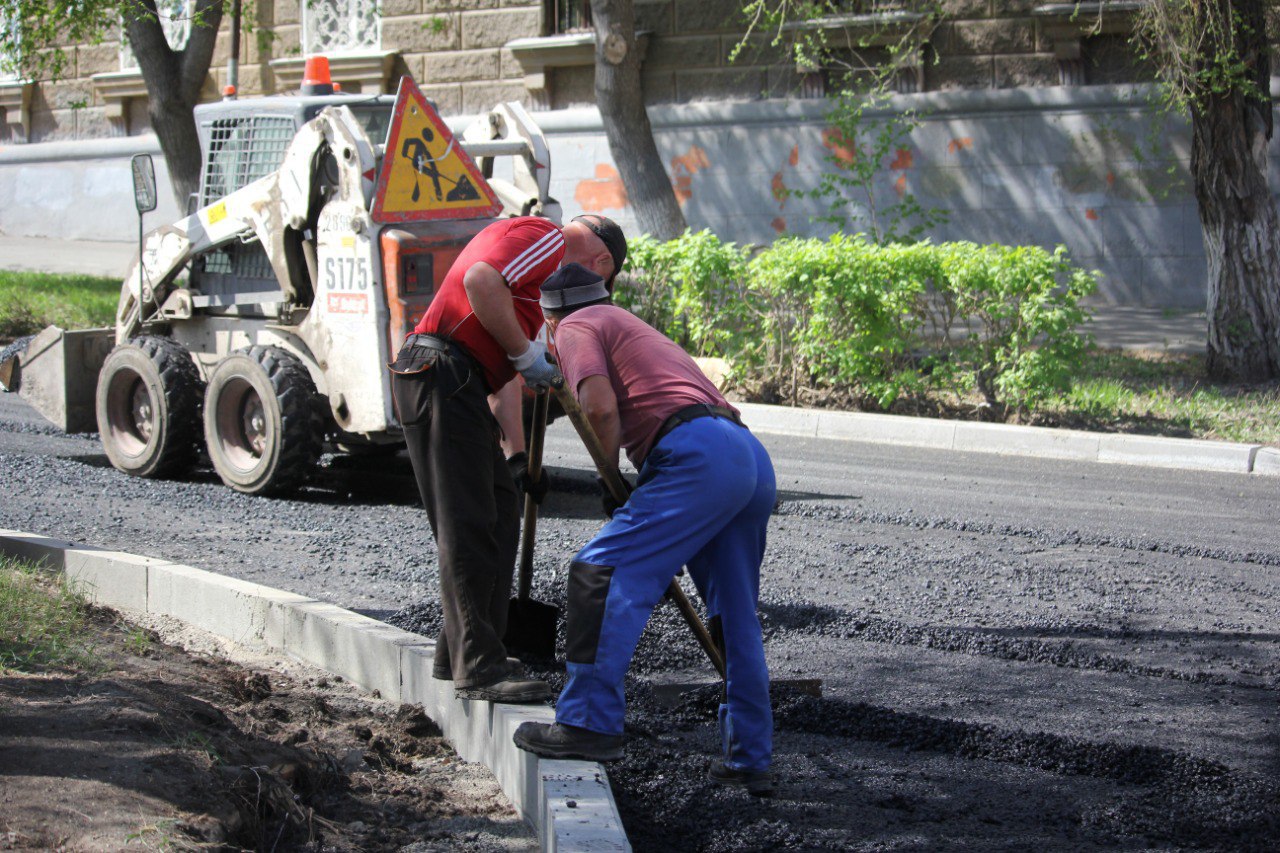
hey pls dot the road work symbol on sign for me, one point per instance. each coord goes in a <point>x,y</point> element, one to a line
<point>425,173</point>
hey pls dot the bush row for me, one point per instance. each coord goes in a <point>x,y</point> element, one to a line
<point>880,322</point>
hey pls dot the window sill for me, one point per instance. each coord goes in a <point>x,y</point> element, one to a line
<point>371,71</point>
<point>116,87</point>
<point>571,50</point>
<point>898,27</point>
<point>1066,25</point>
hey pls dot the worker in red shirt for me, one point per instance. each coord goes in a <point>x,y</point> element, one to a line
<point>459,406</point>
<point>703,499</point>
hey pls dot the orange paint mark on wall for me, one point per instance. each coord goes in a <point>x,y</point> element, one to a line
<point>603,192</point>
<point>778,188</point>
<point>900,186</point>
<point>779,224</point>
<point>904,160</point>
<point>1091,214</point>
<point>960,143</point>
<point>842,149</point>
<point>683,168</point>
<point>683,188</point>
<point>795,156</point>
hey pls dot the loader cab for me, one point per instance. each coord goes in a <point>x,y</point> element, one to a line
<point>240,142</point>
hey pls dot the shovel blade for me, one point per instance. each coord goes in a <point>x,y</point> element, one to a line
<point>531,628</point>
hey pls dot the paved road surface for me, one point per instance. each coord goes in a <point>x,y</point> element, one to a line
<point>1016,653</point>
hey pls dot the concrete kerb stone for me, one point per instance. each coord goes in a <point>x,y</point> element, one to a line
<point>110,578</point>
<point>1013,439</point>
<point>1026,441</point>
<point>1267,462</point>
<point>1177,453</point>
<point>569,803</point>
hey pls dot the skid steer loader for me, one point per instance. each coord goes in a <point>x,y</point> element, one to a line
<point>259,326</point>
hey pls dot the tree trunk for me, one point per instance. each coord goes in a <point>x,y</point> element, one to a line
<point>626,124</point>
<point>174,80</point>
<point>1237,214</point>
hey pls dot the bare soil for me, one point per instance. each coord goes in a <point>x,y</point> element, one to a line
<point>161,747</point>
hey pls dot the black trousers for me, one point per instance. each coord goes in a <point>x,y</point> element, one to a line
<point>471,502</point>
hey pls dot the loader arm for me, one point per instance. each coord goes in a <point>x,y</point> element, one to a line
<point>330,157</point>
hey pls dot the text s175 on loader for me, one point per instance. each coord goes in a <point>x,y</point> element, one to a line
<point>259,326</point>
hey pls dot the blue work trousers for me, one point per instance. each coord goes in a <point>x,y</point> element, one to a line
<point>704,498</point>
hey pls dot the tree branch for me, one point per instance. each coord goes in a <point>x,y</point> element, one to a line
<point>199,50</point>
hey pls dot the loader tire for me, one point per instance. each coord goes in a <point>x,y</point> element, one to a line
<point>148,406</point>
<point>262,424</point>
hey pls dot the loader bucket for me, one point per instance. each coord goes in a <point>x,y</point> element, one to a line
<point>58,375</point>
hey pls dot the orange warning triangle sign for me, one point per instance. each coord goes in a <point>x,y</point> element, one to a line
<point>425,173</point>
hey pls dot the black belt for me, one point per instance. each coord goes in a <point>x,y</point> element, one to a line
<point>445,345</point>
<point>428,341</point>
<point>692,413</point>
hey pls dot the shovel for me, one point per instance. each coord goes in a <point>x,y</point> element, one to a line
<point>613,480</point>
<point>531,625</point>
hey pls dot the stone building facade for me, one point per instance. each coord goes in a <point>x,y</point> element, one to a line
<point>469,54</point>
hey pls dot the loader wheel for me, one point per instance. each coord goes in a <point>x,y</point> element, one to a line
<point>261,422</point>
<point>148,406</point>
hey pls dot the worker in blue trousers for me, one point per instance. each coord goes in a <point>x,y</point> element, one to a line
<point>703,499</point>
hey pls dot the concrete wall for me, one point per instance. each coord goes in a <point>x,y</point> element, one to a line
<point>1028,166</point>
<point>79,190</point>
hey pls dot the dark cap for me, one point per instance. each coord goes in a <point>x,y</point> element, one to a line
<point>572,286</point>
<point>611,235</point>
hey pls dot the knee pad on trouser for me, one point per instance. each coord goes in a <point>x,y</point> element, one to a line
<point>588,589</point>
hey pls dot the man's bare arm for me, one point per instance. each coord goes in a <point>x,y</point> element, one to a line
<point>506,405</point>
<point>600,404</point>
<point>491,301</point>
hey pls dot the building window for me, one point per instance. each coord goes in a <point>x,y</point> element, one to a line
<point>566,16</point>
<point>175,19</point>
<point>335,27</point>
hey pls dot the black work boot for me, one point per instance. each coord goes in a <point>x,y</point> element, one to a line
<point>556,740</point>
<point>759,783</point>
<point>509,688</point>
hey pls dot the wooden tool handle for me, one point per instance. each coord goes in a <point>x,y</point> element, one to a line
<point>537,435</point>
<point>613,481</point>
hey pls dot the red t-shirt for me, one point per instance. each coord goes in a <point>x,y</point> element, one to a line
<point>525,250</point>
<point>652,377</point>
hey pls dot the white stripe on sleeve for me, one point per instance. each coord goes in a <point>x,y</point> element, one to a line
<point>532,256</point>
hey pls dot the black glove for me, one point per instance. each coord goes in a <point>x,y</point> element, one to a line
<point>606,497</point>
<point>519,465</point>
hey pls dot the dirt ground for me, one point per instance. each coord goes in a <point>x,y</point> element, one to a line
<point>161,747</point>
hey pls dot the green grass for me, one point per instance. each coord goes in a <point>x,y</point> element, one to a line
<point>30,301</point>
<point>1167,395</point>
<point>43,623</point>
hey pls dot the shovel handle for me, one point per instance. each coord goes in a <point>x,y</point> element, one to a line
<point>537,435</point>
<point>613,481</point>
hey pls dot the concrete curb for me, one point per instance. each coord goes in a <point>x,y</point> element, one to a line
<point>569,803</point>
<point>1014,440</point>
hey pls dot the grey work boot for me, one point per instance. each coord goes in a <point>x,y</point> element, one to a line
<point>556,740</point>
<point>759,783</point>
<point>509,688</point>
<point>515,669</point>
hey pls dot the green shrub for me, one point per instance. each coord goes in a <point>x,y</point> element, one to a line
<point>880,322</point>
<point>1011,313</point>
<point>693,289</point>
<point>841,313</point>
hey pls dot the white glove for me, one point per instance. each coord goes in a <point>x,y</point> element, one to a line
<point>536,366</point>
